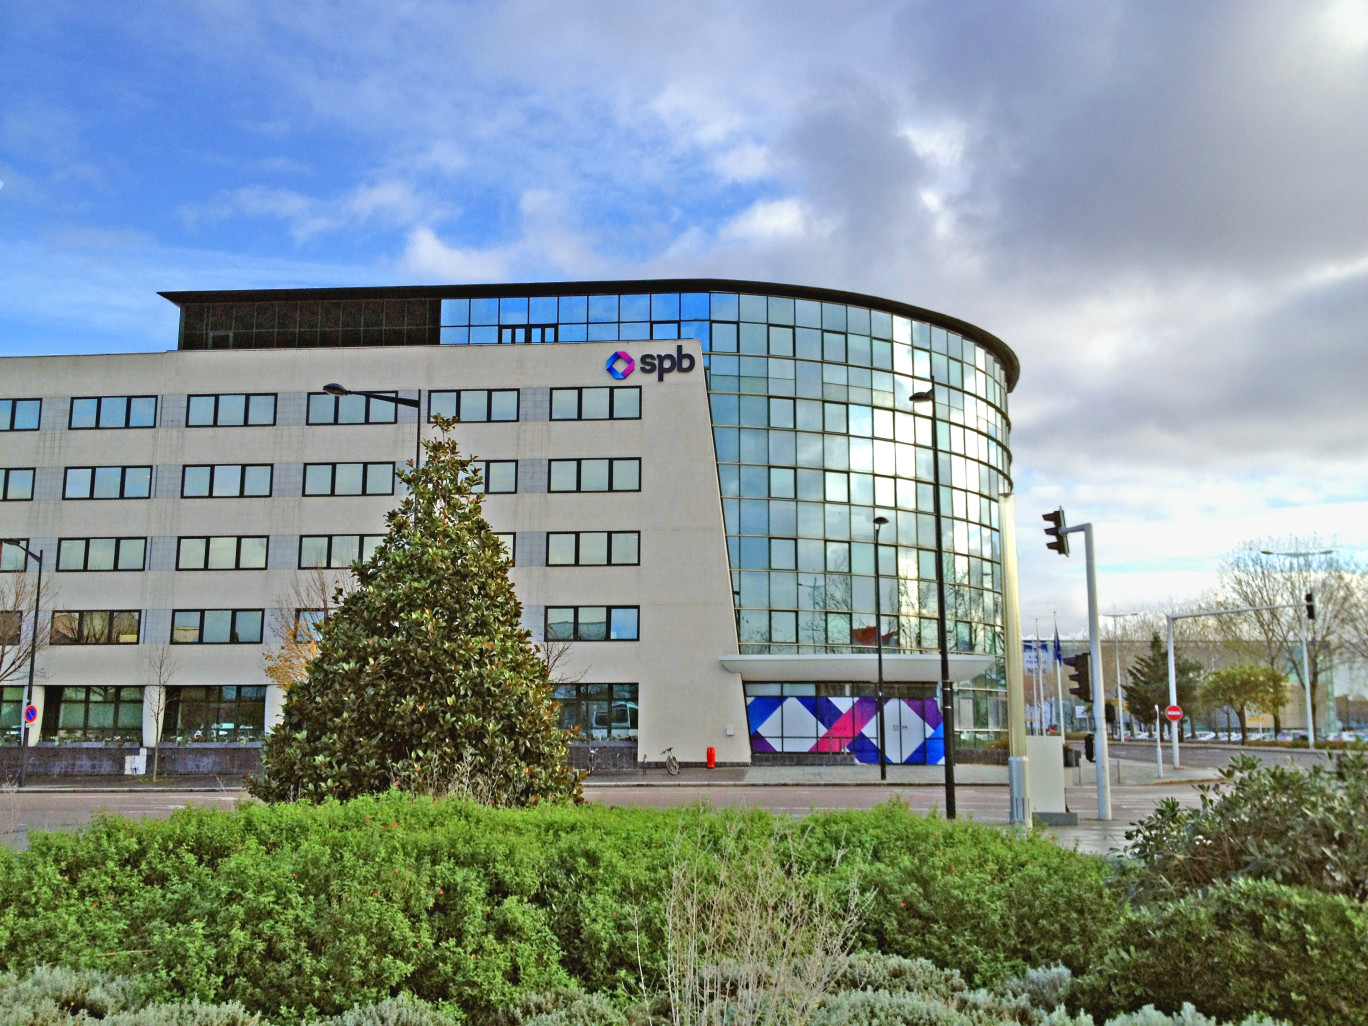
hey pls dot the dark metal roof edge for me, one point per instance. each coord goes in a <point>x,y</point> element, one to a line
<point>1011,365</point>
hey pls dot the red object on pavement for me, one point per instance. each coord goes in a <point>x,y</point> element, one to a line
<point>712,757</point>
<point>1174,713</point>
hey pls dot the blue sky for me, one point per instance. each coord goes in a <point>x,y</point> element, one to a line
<point>1159,206</point>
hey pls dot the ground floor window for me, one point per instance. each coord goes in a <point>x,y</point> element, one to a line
<point>110,714</point>
<point>11,714</point>
<point>600,711</point>
<point>214,713</point>
<point>830,717</point>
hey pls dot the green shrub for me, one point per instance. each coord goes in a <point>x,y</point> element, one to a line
<point>1266,822</point>
<point>1243,947</point>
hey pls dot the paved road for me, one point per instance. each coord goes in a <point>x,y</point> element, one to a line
<point>32,810</point>
<point>1198,754</point>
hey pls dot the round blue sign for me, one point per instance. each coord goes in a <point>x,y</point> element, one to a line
<point>30,714</point>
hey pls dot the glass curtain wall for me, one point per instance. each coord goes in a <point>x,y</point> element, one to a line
<point>815,436</point>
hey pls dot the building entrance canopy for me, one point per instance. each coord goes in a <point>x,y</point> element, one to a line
<point>920,667</point>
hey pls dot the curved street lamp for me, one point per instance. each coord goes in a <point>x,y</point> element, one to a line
<point>946,687</point>
<point>333,388</point>
<point>33,656</point>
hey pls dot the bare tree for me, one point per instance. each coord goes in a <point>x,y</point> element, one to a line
<point>555,653</point>
<point>299,613</point>
<point>1251,577</point>
<point>17,644</point>
<point>161,666</point>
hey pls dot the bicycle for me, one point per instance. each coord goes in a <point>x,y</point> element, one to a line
<point>671,763</point>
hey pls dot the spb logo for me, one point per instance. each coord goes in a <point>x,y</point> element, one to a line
<point>620,364</point>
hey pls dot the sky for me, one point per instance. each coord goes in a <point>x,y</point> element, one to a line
<point>1161,207</point>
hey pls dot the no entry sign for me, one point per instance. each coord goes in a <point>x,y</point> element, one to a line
<point>1174,713</point>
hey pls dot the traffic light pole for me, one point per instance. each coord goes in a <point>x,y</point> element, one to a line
<point>1099,693</point>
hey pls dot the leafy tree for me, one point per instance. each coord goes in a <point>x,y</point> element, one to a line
<point>1243,687</point>
<point>423,676</point>
<point>1147,681</point>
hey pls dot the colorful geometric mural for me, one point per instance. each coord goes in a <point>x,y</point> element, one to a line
<point>812,724</point>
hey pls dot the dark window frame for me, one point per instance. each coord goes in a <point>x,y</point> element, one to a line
<point>233,632</point>
<point>19,559</point>
<point>11,414</point>
<point>81,614</point>
<point>579,700</point>
<point>484,477</point>
<point>213,697</point>
<point>391,409</point>
<point>613,391</point>
<point>242,476</point>
<point>365,479</point>
<point>575,635</point>
<point>488,418</point>
<point>247,398</point>
<point>332,539</point>
<point>85,560</point>
<point>125,696</point>
<point>578,536</point>
<point>123,483</point>
<point>5,473</point>
<point>237,560</point>
<point>99,412</point>
<point>579,462</point>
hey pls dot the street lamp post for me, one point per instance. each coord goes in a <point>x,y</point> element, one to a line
<point>33,657</point>
<point>946,687</point>
<point>1331,719</point>
<point>878,637</point>
<point>1120,695</point>
<point>333,388</point>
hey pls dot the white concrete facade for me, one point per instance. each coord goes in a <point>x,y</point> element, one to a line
<point>681,585</point>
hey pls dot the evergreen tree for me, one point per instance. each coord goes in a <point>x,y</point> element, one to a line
<point>423,677</point>
<point>1148,682</point>
<point>1244,687</point>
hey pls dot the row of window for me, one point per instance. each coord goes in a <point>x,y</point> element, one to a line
<point>235,480</point>
<point>258,409</point>
<point>192,713</point>
<point>589,548</point>
<point>244,626</point>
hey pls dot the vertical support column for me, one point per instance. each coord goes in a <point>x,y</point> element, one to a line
<point>1018,765</point>
<point>1099,688</point>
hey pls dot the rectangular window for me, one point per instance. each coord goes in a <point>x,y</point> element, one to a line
<point>214,713</point>
<point>226,480</point>
<point>16,484</point>
<point>350,409</point>
<point>499,476</point>
<point>11,703</point>
<point>107,483</point>
<point>609,402</point>
<point>598,711</point>
<point>20,414</point>
<point>593,548</point>
<point>336,550</point>
<point>11,626</point>
<point>231,409</point>
<point>114,411</point>
<point>222,553</point>
<point>12,558</point>
<point>613,475</point>
<point>96,627</point>
<point>475,405</point>
<point>97,714</point>
<point>591,623</point>
<point>349,479</point>
<point>216,626</point>
<point>101,553</point>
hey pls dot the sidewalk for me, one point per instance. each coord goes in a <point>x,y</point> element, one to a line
<point>969,774</point>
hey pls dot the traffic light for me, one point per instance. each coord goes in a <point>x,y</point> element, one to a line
<point>1059,541</point>
<point>1310,606</point>
<point>1080,673</point>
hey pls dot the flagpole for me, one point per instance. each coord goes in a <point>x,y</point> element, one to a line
<point>1059,676</point>
<point>1039,716</point>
